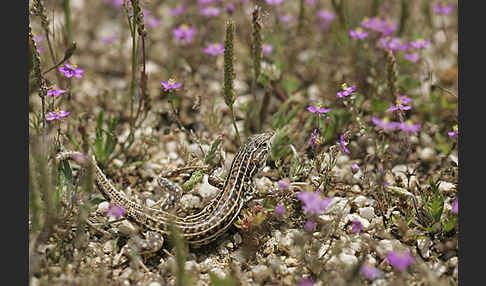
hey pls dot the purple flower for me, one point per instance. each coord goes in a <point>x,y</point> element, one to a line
<point>214,49</point>
<point>313,203</point>
<point>409,127</point>
<point>57,114</point>
<point>319,111</point>
<point>55,91</point>
<point>420,43</point>
<point>310,2</point>
<point>443,8</point>
<point>325,17</point>
<point>305,282</point>
<point>283,184</point>
<point>210,11</point>
<point>153,22</point>
<point>370,272</point>
<point>170,84</point>
<point>354,168</point>
<point>413,57</point>
<point>184,34</point>
<point>178,10</point>
<point>345,90</point>
<point>370,23</point>
<point>357,226</point>
<point>71,70</point>
<point>39,38</point>
<point>309,226</point>
<point>314,138</point>
<point>279,209</point>
<point>116,3</point>
<point>384,123</point>
<point>358,33</point>
<point>287,19</point>
<point>455,207</point>
<point>115,211</point>
<point>393,44</point>
<point>267,49</point>
<point>404,99</point>
<point>108,40</point>
<point>204,2</point>
<point>386,27</point>
<point>401,101</point>
<point>343,143</point>
<point>274,2</point>
<point>230,8</point>
<point>453,133</point>
<point>400,260</point>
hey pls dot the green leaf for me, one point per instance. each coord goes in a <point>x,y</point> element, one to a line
<point>378,105</point>
<point>290,84</point>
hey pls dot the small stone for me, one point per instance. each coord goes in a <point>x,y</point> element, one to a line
<point>446,186</point>
<point>352,217</point>
<point>337,206</point>
<point>348,259</point>
<point>149,202</point>
<point>206,190</point>
<point>223,250</point>
<point>189,201</point>
<point>356,188</point>
<point>367,213</point>
<point>103,207</point>
<point>191,266</point>
<point>218,272</point>
<point>229,245</point>
<point>424,246</point>
<point>260,273</point>
<point>290,261</point>
<point>427,154</point>
<point>108,246</point>
<point>384,247</point>
<point>154,283</point>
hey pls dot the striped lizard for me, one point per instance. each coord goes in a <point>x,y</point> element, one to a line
<point>207,225</point>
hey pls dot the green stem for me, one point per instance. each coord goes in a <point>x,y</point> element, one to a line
<point>67,17</point>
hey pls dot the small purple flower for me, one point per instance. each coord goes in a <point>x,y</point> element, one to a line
<point>358,33</point>
<point>115,211</point>
<point>305,282</point>
<point>71,70</point>
<point>409,127</point>
<point>455,207</point>
<point>343,143</point>
<point>385,124</point>
<point>413,57</point>
<point>309,226</point>
<point>55,91</point>
<point>39,38</point>
<point>230,8</point>
<point>204,2</point>
<point>310,2</point>
<point>108,40</point>
<point>274,2</point>
<point>453,133</point>
<point>287,19</point>
<point>178,10</point>
<point>210,11</point>
<point>313,203</point>
<point>314,138</point>
<point>354,168</point>
<point>393,44</point>
<point>184,34</point>
<point>170,84</point>
<point>420,43</point>
<point>267,49</point>
<point>370,23</point>
<point>400,260</point>
<point>443,8</point>
<point>214,49</point>
<point>283,184</point>
<point>153,22</point>
<point>57,114</point>
<point>325,17</point>
<point>370,272</point>
<point>400,105</point>
<point>279,210</point>
<point>319,111</point>
<point>357,226</point>
<point>345,90</point>
<point>116,3</point>
<point>386,27</point>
